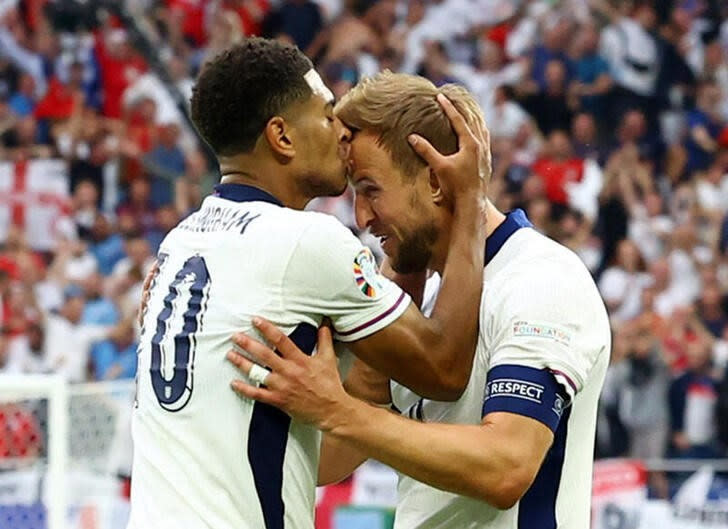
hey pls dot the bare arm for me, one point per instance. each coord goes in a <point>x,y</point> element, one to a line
<point>495,461</point>
<point>340,458</point>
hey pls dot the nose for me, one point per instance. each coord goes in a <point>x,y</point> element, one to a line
<point>344,131</point>
<point>363,213</point>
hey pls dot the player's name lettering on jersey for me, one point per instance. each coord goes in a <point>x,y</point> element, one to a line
<point>514,388</point>
<point>218,219</point>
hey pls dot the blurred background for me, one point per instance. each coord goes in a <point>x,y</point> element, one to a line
<point>609,122</point>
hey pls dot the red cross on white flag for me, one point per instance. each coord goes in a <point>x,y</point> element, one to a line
<point>34,195</point>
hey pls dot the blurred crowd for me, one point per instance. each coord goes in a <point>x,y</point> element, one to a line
<point>609,125</point>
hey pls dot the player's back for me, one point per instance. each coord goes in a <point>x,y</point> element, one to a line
<point>204,457</point>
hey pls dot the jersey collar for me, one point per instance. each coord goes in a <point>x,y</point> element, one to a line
<point>244,193</point>
<point>514,221</point>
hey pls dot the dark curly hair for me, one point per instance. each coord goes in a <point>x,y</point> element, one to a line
<point>239,90</point>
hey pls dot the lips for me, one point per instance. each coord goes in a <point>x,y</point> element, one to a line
<point>383,241</point>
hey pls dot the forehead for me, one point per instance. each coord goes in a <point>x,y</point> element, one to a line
<point>314,104</point>
<point>368,159</point>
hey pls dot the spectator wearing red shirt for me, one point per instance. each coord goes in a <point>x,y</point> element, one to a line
<point>192,13</point>
<point>558,168</point>
<point>120,66</point>
<point>140,137</point>
<point>250,12</point>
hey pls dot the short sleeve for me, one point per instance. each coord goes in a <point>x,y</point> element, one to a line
<point>332,274</point>
<point>527,391</point>
<point>553,321</point>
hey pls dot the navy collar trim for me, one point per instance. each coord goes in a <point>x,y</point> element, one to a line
<point>244,193</point>
<point>514,221</point>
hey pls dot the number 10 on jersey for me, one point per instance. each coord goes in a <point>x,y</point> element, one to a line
<point>177,325</point>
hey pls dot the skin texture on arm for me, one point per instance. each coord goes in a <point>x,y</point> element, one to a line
<point>340,458</point>
<point>495,461</point>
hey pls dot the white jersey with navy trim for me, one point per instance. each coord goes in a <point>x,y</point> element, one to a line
<point>543,351</point>
<point>203,456</point>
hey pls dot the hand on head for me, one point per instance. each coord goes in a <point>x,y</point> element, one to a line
<point>466,173</point>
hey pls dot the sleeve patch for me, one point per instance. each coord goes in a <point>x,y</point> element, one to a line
<point>525,391</point>
<point>541,330</point>
<point>366,274</point>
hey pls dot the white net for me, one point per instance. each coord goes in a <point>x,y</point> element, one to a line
<point>65,454</point>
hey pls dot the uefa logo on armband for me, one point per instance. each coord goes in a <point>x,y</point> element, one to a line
<point>366,274</point>
<point>558,408</point>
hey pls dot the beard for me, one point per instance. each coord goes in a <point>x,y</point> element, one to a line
<point>414,251</point>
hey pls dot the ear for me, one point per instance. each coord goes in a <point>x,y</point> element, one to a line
<point>438,197</point>
<point>277,133</point>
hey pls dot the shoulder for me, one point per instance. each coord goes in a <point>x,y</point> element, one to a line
<point>545,275</point>
<point>320,231</point>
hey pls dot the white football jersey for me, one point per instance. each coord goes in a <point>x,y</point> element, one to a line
<point>203,456</point>
<point>543,351</point>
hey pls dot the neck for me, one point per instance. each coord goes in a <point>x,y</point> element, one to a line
<point>268,176</point>
<point>494,218</point>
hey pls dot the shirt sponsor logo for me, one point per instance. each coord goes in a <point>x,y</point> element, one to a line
<point>510,387</point>
<point>540,330</point>
<point>366,274</point>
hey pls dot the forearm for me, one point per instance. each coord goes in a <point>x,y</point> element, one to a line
<point>339,459</point>
<point>454,318</point>
<point>471,460</point>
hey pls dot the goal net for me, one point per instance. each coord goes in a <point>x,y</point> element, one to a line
<point>65,453</point>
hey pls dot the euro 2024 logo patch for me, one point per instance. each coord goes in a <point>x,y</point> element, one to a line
<point>366,273</point>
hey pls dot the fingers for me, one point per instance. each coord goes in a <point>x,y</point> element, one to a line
<point>252,392</point>
<point>424,149</point>
<point>264,354</point>
<point>466,138</point>
<point>457,120</point>
<point>283,344</point>
<point>325,346</point>
<point>243,364</point>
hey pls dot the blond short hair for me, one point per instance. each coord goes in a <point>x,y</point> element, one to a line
<point>395,105</point>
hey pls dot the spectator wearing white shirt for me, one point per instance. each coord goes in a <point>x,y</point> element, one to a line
<point>649,226</point>
<point>25,352</point>
<point>631,50</point>
<point>491,72</point>
<point>711,191</point>
<point>621,284</point>
<point>128,274</point>
<point>68,341</point>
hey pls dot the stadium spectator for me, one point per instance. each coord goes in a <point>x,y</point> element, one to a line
<point>621,284</point>
<point>116,357</point>
<point>592,82</point>
<point>693,401</point>
<point>639,382</point>
<point>25,353</point>
<point>68,341</point>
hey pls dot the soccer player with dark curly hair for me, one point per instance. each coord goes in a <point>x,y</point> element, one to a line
<point>203,456</point>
